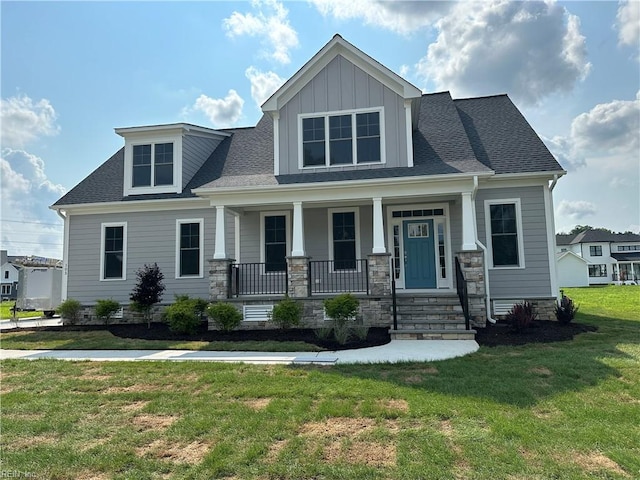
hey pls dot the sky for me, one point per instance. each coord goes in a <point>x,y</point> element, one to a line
<point>72,72</point>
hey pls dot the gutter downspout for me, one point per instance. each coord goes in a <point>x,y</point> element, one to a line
<point>484,251</point>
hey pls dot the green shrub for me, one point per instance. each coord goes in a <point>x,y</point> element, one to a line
<point>323,333</point>
<point>286,313</point>
<point>342,308</point>
<point>521,316</point>
<point>106,309</point>
<point>361,331</point>
<point>69,310</point>
<point>342,333</point>
<point>182,317</point>
<point>225,316</point>
<point>565,310</point>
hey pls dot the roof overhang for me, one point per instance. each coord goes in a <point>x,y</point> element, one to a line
<point>339,46</point>
<point>170,128</point>
<point>131,206</point>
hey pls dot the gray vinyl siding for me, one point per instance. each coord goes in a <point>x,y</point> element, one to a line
<point>151,238</point>
<point>343,86</point>
<point>534,280</point>
<point>195,151</point>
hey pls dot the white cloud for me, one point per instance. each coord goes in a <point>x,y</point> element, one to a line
<point>222,112</point>
<point>526,49</point>
<point>576,209</point>
<point>28,226</point>
<point>628,23</point>
<point>273,26</point>
<point>263,84</point>
<point>24,120</point>
<point>398,17</point>
<point>561,148</point>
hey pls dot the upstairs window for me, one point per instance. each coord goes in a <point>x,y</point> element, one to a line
<point>595,250</point>
<point>344,139</point>
<point>152,165</point>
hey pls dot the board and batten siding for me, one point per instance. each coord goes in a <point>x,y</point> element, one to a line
<point>343,86</point>
<point>195,151</point>
<point>151,238</point>
<point>535,279</point>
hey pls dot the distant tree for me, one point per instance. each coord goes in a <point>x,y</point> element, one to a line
<point>148,291</point>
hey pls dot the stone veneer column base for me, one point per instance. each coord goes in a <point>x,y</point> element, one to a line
<point>379,274</point>
<point>298,277</point>
<point>472,265</point>
<point>219,278</point>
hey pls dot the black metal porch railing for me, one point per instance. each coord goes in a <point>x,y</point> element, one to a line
<point>461,288</point>
<point>330,276</point>
<point>256,279</point>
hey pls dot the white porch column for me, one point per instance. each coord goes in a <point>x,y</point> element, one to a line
<point>220,246</point>
<point>378,229</point>
<point>297,249</point>
<point>468,223</point>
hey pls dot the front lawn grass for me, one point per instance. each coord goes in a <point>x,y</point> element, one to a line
<point>567,410</point>
<point>6,313</point>
<point>105,340</point>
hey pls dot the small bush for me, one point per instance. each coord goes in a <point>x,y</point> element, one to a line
<point>342,308</point>
<point>323,333</point>
<point>225,316</point>
<point>106,309</point>
<point>182,317</point>
<point>521,316</point>
<point>148,290</point>
<point>69,310</point>
<point>361,331</point>
<point>565,310</point>
<point>286,313</point>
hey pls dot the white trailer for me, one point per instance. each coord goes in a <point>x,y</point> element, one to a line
<point>40,288</point>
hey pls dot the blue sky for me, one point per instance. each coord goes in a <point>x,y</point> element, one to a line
<point>74,71</point>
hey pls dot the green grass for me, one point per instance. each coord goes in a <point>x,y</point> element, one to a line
<point>104,340</point>
<point>568,410</point>
<point>6,313</point>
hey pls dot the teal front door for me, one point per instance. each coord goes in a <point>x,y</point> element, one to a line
<point>419,254</point>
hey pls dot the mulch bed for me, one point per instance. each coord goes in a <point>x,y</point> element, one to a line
<point>542,331</point>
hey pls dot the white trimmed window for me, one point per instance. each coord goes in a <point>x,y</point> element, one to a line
<point>189,247</point>
<point>344,238</point>
<point>504,233</point>
<point>598,270</point>
<point>153,164</point>
<point>6,289</point>
<point>275,238</point>
<point>341,138</point>
<point>113,254</point>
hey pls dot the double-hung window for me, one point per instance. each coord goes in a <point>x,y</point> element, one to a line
<point>152,165</point>
<point>595,250</point>
<point>341,139</point>
<point>598,270</point>
<point>275,243</point>
<point>113,258</point>
<point>189,242</point>
<point>344,248</point>
<point>504,231</point>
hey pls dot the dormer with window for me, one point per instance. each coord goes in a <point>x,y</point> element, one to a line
<point>343,111</point>
<point>164,158</point>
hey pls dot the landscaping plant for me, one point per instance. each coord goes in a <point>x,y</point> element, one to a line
<point>185,316</point>
<point>565,310</point>
<point>148,290</point>
<point>69,310</point>
<point>521,316</point>
<point>106,309</point>
<point>341,310</point>
<point>226,316</point>
<point>286,313</point>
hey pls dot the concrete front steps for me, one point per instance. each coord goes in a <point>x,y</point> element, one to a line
<point>430,317</point>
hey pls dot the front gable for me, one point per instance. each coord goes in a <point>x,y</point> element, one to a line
<point>342,110</point>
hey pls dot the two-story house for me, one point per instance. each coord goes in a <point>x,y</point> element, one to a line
<point>607,257</point>
<point>9,277</point>
<point>353,178</point>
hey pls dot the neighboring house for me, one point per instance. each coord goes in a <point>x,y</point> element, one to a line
<point>610,257</point>
<point>9,278</point>
<point>573,270</point>
<point>351,178</point>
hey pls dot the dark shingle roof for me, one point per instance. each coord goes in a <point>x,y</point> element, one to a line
<point>596,236</point>
<point>501,137</point>
<point>476,135</point>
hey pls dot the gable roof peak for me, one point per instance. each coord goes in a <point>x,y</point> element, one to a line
<point>339,46</point>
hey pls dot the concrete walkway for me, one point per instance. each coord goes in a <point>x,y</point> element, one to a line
<point>393,352</point>
<point>30,322</point>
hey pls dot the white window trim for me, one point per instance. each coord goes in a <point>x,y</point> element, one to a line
<point>103,227</point>
<point>356,219</point>
<point>176,187</point>
<point>519,231</point>
<point>326,115</point>
<point>179,222</point>
<point>287,215</point>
